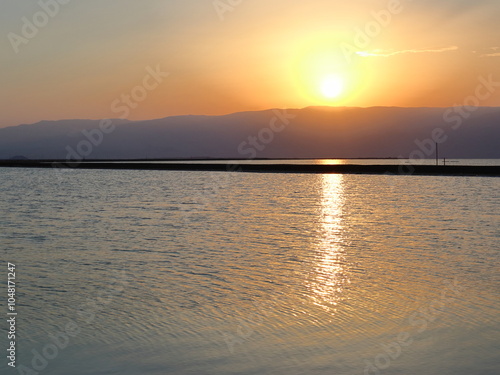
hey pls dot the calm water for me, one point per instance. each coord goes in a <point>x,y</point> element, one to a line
<point>211,273</point>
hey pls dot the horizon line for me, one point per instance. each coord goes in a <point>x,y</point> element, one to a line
<point>244,111</point>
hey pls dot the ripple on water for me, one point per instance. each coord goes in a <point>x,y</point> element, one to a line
<point>274,274</point>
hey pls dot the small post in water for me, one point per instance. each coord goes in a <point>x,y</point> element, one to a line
<point>437,154</point>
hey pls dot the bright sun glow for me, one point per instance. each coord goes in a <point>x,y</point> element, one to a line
<point>322,76</point>
<point>332,86</point>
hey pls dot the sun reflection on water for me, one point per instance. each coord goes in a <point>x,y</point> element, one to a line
<point>329,275</point>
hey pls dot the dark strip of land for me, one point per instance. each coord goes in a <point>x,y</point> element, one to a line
<point>430,170</point>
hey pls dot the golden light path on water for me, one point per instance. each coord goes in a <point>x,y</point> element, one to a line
<point>329,278</point>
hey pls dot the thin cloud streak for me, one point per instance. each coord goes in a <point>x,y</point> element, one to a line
<point>381,53</point>
<point>492,54</point>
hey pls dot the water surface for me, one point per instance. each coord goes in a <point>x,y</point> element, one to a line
<point>167,272</point>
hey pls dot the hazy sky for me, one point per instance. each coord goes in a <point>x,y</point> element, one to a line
<point>83,58</point>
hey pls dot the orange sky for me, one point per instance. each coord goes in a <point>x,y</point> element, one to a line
<point>254,55</point>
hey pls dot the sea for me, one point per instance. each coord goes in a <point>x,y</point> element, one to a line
<point>215,273</point>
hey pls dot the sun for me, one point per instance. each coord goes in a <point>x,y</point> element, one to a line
<point>321,75</point>
<point>332,86</point>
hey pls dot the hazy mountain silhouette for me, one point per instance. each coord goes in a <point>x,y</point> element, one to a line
<point>314,132</point>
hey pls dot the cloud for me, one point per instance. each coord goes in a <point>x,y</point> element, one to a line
<point>382,53</point>
<point>493,52</point>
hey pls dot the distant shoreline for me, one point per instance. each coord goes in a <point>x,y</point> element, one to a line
<point>204,159</point>
<point>378,169</point>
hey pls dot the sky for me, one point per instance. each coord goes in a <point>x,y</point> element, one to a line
<point>92,59</point>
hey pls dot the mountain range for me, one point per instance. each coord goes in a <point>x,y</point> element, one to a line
<point>312,132</point>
